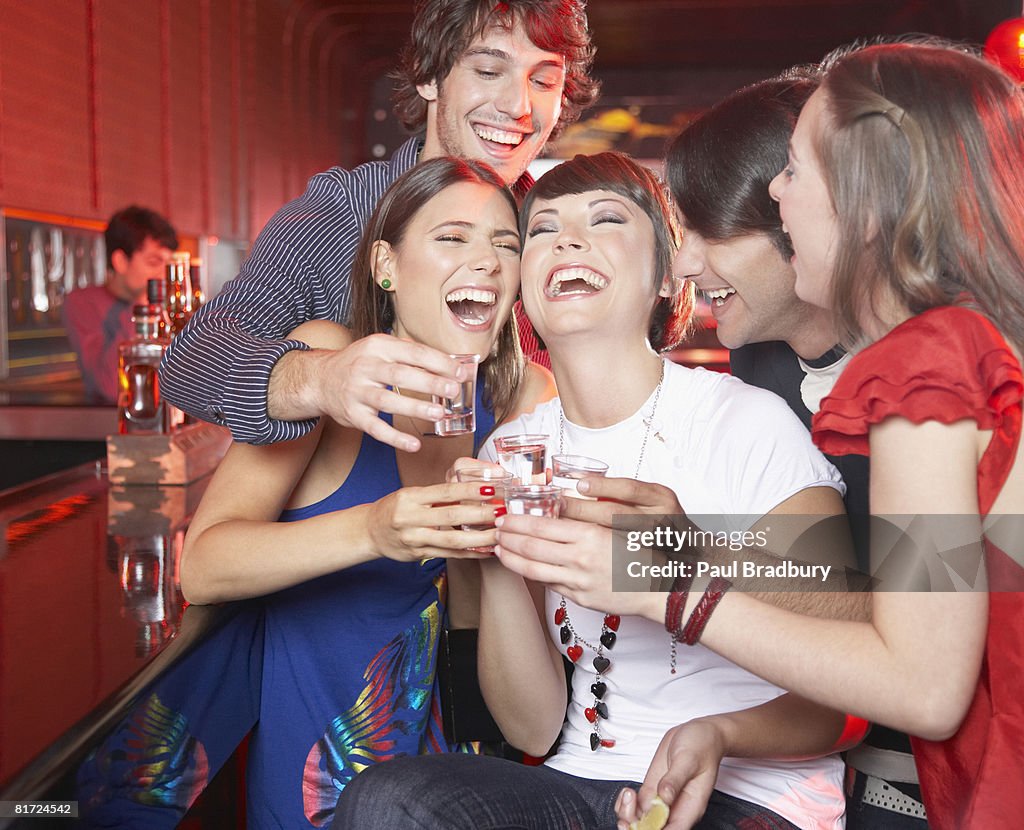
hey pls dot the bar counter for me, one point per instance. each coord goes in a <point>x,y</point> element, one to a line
<point>91,618</point>
<point>45,430</point>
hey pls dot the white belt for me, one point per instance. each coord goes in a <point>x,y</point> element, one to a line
<point>879,794</point>
<point>887,764</point>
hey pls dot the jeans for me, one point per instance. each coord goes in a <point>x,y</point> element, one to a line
<point>466,792</point>
<point>860,816</point>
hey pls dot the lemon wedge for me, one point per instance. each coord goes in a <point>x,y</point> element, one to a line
<point>653,819</point>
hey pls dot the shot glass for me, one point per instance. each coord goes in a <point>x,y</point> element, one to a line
<point>459,415</point>
<point>499,479</point>
<point>524,456</point>
<point>567,470</point>
<point>533,500</point>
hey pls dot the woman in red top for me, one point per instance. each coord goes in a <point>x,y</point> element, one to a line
<point>904,200</point>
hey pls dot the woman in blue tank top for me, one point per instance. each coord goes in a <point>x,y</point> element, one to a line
<point>344,537</point>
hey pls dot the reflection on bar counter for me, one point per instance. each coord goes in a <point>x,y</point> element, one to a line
<point>120,697</point>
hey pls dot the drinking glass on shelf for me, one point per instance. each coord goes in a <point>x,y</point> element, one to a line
<point>533,500</point>
<point>499,479</point>
<point>524,456</point>
<point>459,413</point>
<point>567,470</point>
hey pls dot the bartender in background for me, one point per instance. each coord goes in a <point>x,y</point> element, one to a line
<point>139,244</point>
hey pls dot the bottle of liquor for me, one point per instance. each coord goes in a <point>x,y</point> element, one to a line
<point>156,289</point>
<point>156,295</point>
<point>198,295</point>
<point>140,409</point>
<point>179,291</point>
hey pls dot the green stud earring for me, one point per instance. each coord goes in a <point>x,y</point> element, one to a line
<point>385,283</point>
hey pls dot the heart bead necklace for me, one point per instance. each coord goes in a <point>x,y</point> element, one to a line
<point>568,635</point>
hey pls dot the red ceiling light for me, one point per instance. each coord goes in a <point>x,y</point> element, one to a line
<point>1005,47</point>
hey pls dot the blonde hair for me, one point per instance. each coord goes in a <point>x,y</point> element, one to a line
<point>922,150</point>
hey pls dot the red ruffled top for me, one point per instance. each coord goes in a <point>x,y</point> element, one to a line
<point>946,365</point>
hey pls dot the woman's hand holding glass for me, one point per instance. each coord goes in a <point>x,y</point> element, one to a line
<point>416,523</point>
<point>573,558</point>
<point>572,555</point>
<point>493,482</point>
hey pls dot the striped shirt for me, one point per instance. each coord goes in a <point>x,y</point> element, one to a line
<point>218,368</point>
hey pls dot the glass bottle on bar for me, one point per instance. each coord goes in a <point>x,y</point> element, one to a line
<point>156,295</point>
<point>179,291</point>
<point>140,409</point>
<point>180,418</point>
<point>196,276</point>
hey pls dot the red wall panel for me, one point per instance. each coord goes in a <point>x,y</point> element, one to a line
<point>205,110</point>
<point>129,123</point>
<point>264,97</point>
<point>186,92</point>
<point>228,139</point>
<point>46,139</point>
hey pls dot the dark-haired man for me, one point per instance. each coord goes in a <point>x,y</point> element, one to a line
<point>737,254</point>
<point>487,80</point>
<point>139,244</point>
<point>735,250</point>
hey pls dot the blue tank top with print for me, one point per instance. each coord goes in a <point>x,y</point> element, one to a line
<point>348,665</point>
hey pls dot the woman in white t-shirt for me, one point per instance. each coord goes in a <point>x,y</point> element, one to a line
<point>597,285</point>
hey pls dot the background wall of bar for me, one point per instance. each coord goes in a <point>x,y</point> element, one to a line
<point>201,109</point>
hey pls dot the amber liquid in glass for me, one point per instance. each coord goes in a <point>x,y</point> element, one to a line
<point>140,409</point>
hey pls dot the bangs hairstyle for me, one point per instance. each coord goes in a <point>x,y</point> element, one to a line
<point>923,154</point>
<point>372,309</point>
<point>619,174</point>
<point>719,167</point>
<point>443,30</point>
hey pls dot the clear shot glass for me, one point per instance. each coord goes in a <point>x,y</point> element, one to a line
<point>524,456</point>
<point>500,480</point>
<point>533,500</point>
<point>567,470</point>
<point>459,413</point>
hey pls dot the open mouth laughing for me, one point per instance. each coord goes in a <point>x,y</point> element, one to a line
<point>718,297</point>
<point>500,142</point>
<point>789,240</point>
<point>473,307</point>
<point>576,280</point>
<point>496,136</point>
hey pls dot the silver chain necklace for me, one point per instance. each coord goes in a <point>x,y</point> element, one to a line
<point>648,423</point>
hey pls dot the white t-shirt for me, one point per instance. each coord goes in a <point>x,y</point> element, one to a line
<point>726,449</point>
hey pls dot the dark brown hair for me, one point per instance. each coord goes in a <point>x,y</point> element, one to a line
<point>719,167</point>
<point>618,173</point>
<point>372,309</point>
<point>443,30</point>
<point>130,227</point>
<point>922,150</point>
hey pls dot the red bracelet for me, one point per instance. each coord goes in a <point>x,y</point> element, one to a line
<point>702,612</point>
<point>676,604</point>
<point>854,731</point>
